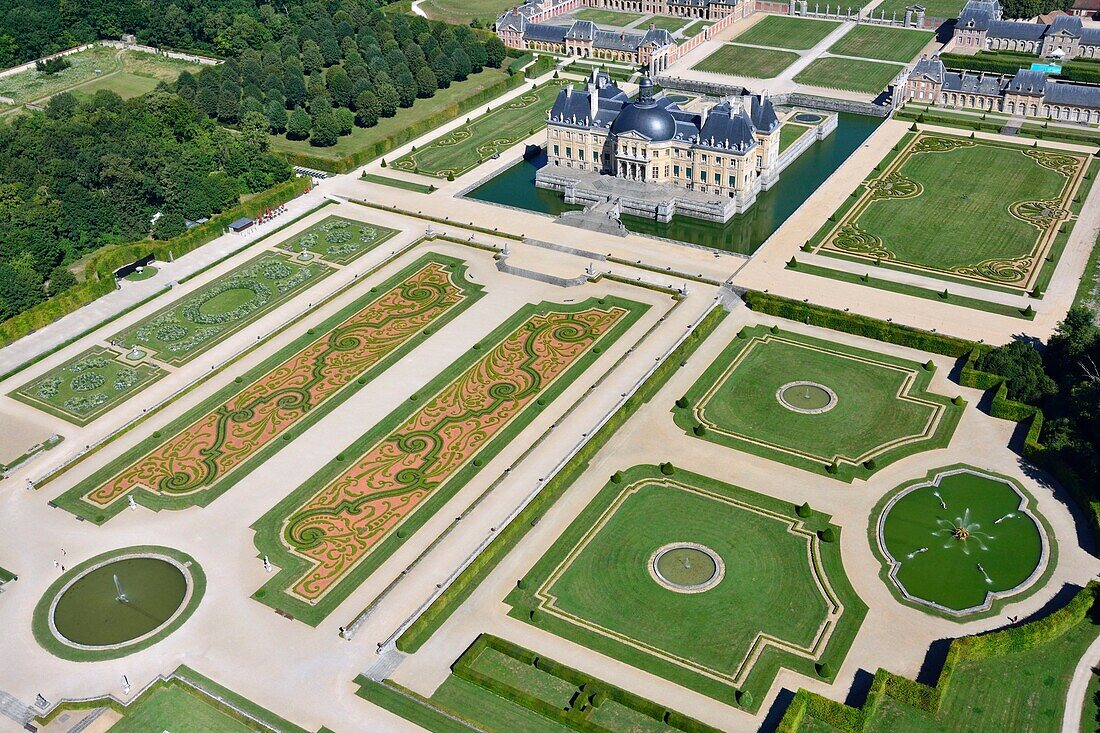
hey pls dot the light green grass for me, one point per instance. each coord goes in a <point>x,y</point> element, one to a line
<point>736,399</point>
<point>591,583</point>
<point>31,85</point>
<point>790,133</point>
<point>398,183</point>
<point>144,274</point>
<point>932,8</point>
<point>943,192</point>
<point>338,240</point>
<point>869,77</point>
<point>363,137</point>
<point>466,147</point>
<point>187,328</point>
<point>696,28</point>
<point>665,22</point>
<point>1090,714</point>
<point>461,12</point>
<point>784,32</point>
<point>746,61</point>
<point>177,710</point>
<point>88,386</point>
<point>6,576</point>
<point>916,291</point>
<point>882,43</point>
<point>607,17</point>
<point>123,83</point>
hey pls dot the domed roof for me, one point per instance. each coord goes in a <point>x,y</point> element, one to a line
<point>652,121</point>
<point>645,117</point>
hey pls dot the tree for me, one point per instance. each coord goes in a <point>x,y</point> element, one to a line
<point>312,58</point>
<point>298,124</point>
<point>425,82</point>
<point>61,279</point>
<point>461,63</point>
<point>495,52</point>
<point>367,109</point>
<point>1072,339</point>
<point>340,87</point>
<point>388,99</point>
<point>1022,365</point>
<point>444,71</point>
<point>330,50</point>
<point>294,86</point>
<point>276,117</point>
<point>325,129</point>
<point>345,120</point>
<point>229,102</point>
<point>169,225</point>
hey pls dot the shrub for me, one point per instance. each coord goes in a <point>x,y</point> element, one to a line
<point>828,534</point>
<point>699,430</point>
<point>930,365</point>
<point>617,477</point>
<point>683,403</point>
<point>870,464</point>
<point>804,510</point>
<point>744,698</point>
<point>668,469</point>
<point>824,669</point>
<point>833,467</point>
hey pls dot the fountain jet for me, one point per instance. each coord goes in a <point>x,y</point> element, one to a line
<point>120,595</point>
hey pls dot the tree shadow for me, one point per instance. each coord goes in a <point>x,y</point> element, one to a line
<point>1081,521</point>
<point>776,711</point>
<point>861,687</point>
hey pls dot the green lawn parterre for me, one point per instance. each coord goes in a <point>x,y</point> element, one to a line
<point>466,147</point>
<point>338,240</point>
<point>789,133</point>
<point>932,8</point>
<point>920,212</point>
<point>783,601</point>
<point>88,385</point>
<point>883,43</point>
<point>780,31</point>
<point>398,183</point>
<point>607,17</point>
<point>830,72</point>
<point>180,332</point>
<point>883,410</point>
<point>665,22</point>
<point>747,61</point>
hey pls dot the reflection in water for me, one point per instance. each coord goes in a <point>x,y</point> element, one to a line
<point>743,233</point>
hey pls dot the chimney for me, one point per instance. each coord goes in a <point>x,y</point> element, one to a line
<point>746,104</point>
<point>593,102</point>
<point>703,116</point>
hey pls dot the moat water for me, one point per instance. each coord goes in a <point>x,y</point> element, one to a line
<point>743,233</point>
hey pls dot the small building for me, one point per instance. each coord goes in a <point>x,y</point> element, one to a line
<point>980,28</point>
<point>1086,9</point>
<point>241,224</point>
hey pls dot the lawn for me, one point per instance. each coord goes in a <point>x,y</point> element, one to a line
<point>771,599</point>
<point>203,453</point>
<point>338,240</point>
<point>922,209</point>
<point>179,710</point>
<point>461,12</point>
<point>869,77</point>
<point>128,73</point>
<point>180,332</point>
<point>789,133</point>
<point>747,61</point>
<point>398,183</point>
<point>882,43</point>
<point>784,32</point>
<point>363,137</point>
<point>1090,715</point>
<point>466,147</point>
<point>88,386</point>
<point>879,411</point>
<point>331,532</point>
<point>696,28</point>
<point>932,8</point>
<point>607,17</point>
<point>664,22</point>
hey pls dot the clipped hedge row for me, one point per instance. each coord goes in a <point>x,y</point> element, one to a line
<point>928,699</point>
<point>542,65</point>
<point>838,320</point>
<point>1003,63</point>
<point>590,692</point>
<point>517,66</point>
<point>443,606</point>
<point>385,145</point>
<point>99,270</point>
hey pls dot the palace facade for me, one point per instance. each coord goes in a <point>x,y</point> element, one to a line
<point>718,159</point>
<point>528,27</point>
<point>981,28</point>
<point>1028,93</point>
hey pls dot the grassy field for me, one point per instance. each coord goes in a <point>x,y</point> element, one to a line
<point>932,8</point>
<point>338,240</point>
<point>784,32</point>
<point>88,385</point>
<point>607,17</point>
<point>789,133</point>
<point>461,12</point>
<point>466,147</point>
<point>398,183</point>
<point>922,209</point>
<point>665,22</point>
<point>179,710</point>
<point>591,583</point>
<point>1090,715</point>
<point>869,77</point>
<point>362,137</point>
<point>696,28</point>
<point>737,400</point>
<point>128,73</point>
<point>746,61</point>
<point>882,43</point>
<point>187,328</point>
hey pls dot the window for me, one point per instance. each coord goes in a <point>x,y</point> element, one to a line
<point>703,176</point>
<point>732,181</point>
<point>556,150</point>
<point>568,152</point>
<point>676,171</point>
<point>656,171</point>
<point>580,154</point>
<point>718,178</point>
<point>688,174</point>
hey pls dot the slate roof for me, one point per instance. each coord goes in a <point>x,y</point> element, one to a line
<point>1069,24</point>
<point>546,32</point>
<point>931,68</point>
<point>1027,82</point>
<point>1076,95</point>
<point>1016,31</point>
<point>978,14</point>
<point>970,83</point>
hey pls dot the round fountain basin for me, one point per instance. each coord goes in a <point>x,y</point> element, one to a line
<point>88,612</point>
<point>985,545</point>
<point>806,397</point>
<point>686,567</point>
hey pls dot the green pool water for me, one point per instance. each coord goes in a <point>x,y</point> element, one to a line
<point>981,543</point>
<point>742,234</point>
<point>807,397</point>
<point>89,612</point>
<point>686,566</point>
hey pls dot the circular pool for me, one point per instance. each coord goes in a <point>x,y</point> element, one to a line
<point>810,398</point>
<point>808,118</point>
<point>686,567</point>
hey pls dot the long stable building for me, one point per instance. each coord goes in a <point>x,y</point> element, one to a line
<point>528,27</point>
<point>981,27</point>
<point>1028,93</point>
<point>657,158</point>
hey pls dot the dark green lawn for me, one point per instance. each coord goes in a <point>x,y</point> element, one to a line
<point>784,32</point>
<point>882,43</point>
<point>868,77</point>
<point>932,8</point>
<point>747,61</point>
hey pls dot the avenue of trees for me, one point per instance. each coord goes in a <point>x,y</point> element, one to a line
<point>318,79</point>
